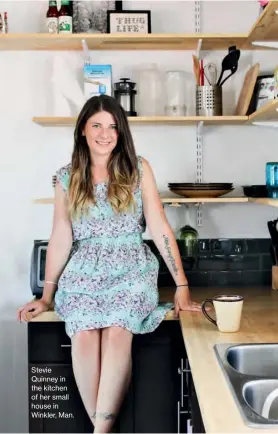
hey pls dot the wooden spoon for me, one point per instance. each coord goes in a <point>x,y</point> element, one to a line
<point>196,68</point>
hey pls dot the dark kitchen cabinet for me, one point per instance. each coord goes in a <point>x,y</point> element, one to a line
<point>52,410</point>
<point>158,399</point>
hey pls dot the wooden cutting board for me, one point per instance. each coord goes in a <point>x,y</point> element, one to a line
<point>247,90</point>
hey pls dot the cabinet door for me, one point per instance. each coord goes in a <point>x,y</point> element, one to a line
<point>156,383</point>
<point>196,417</point>
<point>55,405</point>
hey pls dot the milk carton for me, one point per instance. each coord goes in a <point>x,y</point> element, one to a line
<point>97,80</point>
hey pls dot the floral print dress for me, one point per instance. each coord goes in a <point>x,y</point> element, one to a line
<point>111,276</point>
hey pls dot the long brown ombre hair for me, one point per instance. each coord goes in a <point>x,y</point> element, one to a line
<point>122,165</point>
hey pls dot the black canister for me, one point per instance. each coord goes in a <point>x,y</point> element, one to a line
<point>124,94</point>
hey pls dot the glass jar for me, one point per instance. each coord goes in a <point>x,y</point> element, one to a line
<point>150,91</point>
<point>175,93</point>
<point>272,174</point>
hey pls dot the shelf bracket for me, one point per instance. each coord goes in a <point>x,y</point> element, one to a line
<point>267,124</point>
<point>199,174</point>
<point>175,204</point>
<point>199,215</point>
<point>269,44</point>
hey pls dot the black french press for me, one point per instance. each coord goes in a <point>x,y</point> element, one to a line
<point>124,94</point>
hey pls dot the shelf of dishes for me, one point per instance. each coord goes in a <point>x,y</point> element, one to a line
<point>264,29</point>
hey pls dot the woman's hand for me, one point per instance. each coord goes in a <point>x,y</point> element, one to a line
<point>183,302</point>
<point>32,309</point>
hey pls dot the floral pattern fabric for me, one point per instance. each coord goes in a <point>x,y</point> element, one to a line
<point>111,276</point>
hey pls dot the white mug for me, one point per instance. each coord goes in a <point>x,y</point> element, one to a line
<point>228,309</point>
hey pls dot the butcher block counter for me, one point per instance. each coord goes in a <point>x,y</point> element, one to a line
<point>259,324</point>
<point>219,411</point>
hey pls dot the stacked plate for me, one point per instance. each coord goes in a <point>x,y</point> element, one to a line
<point>202,189</point>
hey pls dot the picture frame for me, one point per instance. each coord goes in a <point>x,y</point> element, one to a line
<point>90,16</point>
<point>128,21</point>
<point>264,92</point>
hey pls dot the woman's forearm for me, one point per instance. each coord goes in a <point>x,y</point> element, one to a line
<point>167,245</point>
<point>56,258</point>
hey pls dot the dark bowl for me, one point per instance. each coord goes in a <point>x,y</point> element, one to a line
<point>255,190</point>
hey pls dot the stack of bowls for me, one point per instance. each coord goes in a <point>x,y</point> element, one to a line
<point>202,189</point>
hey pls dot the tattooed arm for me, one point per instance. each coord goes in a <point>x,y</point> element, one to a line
<point>164,239</point>
<point>159,227</point>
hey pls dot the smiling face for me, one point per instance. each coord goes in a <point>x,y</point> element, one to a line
<point>101,134</point>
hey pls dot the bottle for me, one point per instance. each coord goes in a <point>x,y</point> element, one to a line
<point>52,17</point>
<point>5,23</point>
<point>1,24</point>
<point>65,18</point>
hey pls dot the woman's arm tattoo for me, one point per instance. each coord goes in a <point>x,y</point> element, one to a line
<point>169,254</point>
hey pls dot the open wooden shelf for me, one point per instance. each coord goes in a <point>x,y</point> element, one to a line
<point>175,120</point>
<point>180,200</point>
<point>265,29</point>
<point>264,201</point>
<point>266,26</point>
<point>177,201</point>
<point>104,41</point>
<point>267,113</point>
<point>173,200</point>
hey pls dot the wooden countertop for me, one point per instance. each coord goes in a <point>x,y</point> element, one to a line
<point>165,295</point>
<point>259,324</point>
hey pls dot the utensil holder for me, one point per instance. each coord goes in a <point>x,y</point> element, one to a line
<point>209,101</point>
<point>275,277</point>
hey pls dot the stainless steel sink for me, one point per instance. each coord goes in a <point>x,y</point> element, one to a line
<point>254,359</point>
<point>252,374</point>
<point>255,394</point>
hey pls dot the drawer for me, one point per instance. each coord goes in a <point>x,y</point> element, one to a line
<point>48,343</point>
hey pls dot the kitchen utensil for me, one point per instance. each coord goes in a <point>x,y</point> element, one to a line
<point>229,63</point>
<point>196,69</point>
<point>210,71</point>
<point>202,77</point>
<point>124,93</point>
<point>189,236</point>
<point>272,229</point>
<point>273,254</point>
<point>247,90</point>
<point>209,101</point>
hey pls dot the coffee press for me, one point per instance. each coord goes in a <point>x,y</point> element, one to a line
<point>124,94</point>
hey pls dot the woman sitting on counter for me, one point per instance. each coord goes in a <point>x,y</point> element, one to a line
<point>99,272</point>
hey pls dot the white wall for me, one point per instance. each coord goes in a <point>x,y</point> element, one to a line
<point>30,154</point>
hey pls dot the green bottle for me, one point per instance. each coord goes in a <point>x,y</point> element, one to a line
<point>189,236</point>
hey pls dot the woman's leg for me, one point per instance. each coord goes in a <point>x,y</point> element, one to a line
<point>115,376</point>
<point>86,367</point>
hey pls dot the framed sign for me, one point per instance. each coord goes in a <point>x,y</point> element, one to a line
<point>128,21</point>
